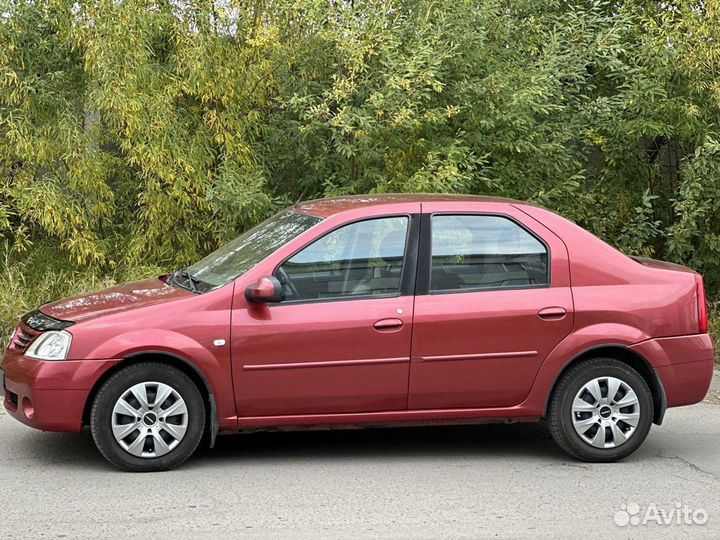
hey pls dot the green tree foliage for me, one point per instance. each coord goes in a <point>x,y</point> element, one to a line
<point>139,130</point>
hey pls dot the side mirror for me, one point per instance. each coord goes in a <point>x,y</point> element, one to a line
<point>266,289</point>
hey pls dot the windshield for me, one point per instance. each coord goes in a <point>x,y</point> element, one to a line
<point>239,255</point>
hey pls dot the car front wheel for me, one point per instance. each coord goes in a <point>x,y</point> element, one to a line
<point>147,417</point>
<point>601,410</point>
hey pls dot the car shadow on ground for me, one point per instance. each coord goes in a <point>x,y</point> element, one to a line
<point>434,442</point>
<point>431,441</point>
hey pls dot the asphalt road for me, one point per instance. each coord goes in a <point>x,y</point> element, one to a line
<point>456,482</point>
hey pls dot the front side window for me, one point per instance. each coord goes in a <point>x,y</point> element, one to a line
<point>360,259</point>
<point>484,252</point>
<point>239,255</point>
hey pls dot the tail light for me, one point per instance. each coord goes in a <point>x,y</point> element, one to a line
<point>702,305</point>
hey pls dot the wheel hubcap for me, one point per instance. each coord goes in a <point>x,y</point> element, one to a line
<point>605,412</point>
<point>149,419</point>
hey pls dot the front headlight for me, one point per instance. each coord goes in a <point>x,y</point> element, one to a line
<point>52,345</point>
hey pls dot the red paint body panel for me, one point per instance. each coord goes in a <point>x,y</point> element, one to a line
<point>113,300</point>
<point>465,344</point>
<point>57,391</point>
<point>455,338</point>
<point>608,286</point>
<point>182,326</point>
<point>371,203</point>
<point>330,359</point>
<point>684,365</point>
<point>373,375</point>
<point>426,358</point>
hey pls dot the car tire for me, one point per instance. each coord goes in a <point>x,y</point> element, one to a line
<point>147,417</point>
<point>590,424</point>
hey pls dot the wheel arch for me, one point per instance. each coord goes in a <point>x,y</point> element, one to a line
<point>172,360</point>
<point>632,359</point>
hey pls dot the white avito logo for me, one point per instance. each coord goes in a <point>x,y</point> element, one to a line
<point>680,514</point>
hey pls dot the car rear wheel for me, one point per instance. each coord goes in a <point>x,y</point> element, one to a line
<point>601,410</point>
<point>147,417</point>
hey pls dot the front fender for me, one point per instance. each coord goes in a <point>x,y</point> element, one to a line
<point>132,342</point>
<point>212,365</point>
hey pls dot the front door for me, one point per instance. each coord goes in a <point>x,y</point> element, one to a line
<point>340,340</point>
<point>493,302</point>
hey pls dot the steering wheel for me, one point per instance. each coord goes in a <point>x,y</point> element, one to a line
<point>286,282</point>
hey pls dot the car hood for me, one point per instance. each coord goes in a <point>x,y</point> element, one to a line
<point>113,300</point>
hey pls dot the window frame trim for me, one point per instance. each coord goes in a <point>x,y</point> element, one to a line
<point>408,273</point>
<point>424,272</point>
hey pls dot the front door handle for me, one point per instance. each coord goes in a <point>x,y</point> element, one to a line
<point>388,325</point>
<point>553,313</point>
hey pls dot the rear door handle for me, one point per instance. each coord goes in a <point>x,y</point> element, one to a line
<point>388,325</point>
<point>552,313</point>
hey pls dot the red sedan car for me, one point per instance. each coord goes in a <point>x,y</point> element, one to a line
<point>372,311</point>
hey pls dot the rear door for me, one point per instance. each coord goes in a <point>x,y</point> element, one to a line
<point>493,299</point>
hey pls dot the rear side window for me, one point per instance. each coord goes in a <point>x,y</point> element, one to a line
<point>475,252</point>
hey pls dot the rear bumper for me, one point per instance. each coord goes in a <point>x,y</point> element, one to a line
<point>683,364</point>
<point>49,395</point>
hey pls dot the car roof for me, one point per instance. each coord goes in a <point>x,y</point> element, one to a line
<point>334,205</point>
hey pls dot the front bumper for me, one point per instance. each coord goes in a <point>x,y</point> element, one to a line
<point>50,395</point>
